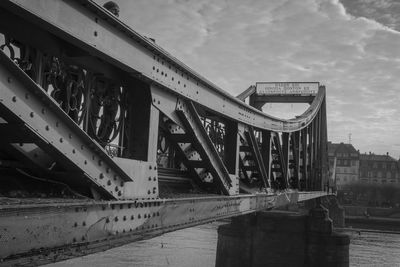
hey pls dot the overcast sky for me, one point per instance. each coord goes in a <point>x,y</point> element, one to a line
<point>351,46</point>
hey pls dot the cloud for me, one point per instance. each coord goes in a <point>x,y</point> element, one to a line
<point>382,11</point>
<point>237,43</point>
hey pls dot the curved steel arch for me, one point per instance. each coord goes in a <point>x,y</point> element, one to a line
<point>143,57</point>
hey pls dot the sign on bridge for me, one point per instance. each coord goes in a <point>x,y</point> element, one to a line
<point>287,88</point>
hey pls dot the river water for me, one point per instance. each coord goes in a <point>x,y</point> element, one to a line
<point>196,246</point>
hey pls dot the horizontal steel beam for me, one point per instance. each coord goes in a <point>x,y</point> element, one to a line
<point>101,34</point>
<point>41,233</point>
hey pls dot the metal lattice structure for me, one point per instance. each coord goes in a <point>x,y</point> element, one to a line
<point>107,139</point>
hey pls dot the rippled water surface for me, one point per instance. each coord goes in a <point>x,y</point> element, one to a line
<point>196,246</point>
<point>374,249</point>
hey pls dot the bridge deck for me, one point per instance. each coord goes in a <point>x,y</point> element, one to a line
<point>43,230</point>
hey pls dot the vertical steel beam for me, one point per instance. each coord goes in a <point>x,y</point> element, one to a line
<point>232,144</point>
<point>154,116</point>
<point>266,153</point>
<point>286,153</point>
<point>296,157</point>
<point>324,146</point>
<point>142,122</point>
<point>304,149</point>
<point>318,153</point>
<point>310,157</point>
<point>282,163</point>
<point>314,165</point>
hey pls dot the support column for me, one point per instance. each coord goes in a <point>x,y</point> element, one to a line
<point>325,247</point>
<point>336,212</point>
<point>281,238</point>
<point>235,242</point>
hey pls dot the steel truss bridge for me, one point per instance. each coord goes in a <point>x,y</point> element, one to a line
<point>106,138</point>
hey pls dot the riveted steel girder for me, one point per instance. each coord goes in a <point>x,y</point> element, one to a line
<point>193,126</point>
<point>48,232</point>
<point>23,102</point>
<point>251,139</point>
<point>102,35</point>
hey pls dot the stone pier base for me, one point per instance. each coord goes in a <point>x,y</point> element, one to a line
<point>281,238</point>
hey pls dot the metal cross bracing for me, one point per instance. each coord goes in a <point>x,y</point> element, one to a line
<point>94,116</point>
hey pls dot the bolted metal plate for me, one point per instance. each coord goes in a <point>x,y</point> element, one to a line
<point>39,233</point>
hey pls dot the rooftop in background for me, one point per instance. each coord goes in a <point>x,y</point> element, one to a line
<point>341,148</point>
<point>373,157</point>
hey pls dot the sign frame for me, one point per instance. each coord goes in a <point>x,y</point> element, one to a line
<point>287,88</point>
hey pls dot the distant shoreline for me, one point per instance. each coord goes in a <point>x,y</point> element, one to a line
<point>374,223</point>
<point>363,230</point>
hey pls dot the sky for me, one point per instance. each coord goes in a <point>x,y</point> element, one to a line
<point>350,46</point>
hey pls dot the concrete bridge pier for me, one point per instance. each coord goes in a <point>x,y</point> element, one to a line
<point>282,238</point>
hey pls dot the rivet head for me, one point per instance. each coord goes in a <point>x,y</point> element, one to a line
<point>14,99</point>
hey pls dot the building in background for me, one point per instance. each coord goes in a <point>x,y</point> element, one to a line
<point>347,163</point>
<point>379,169</point>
